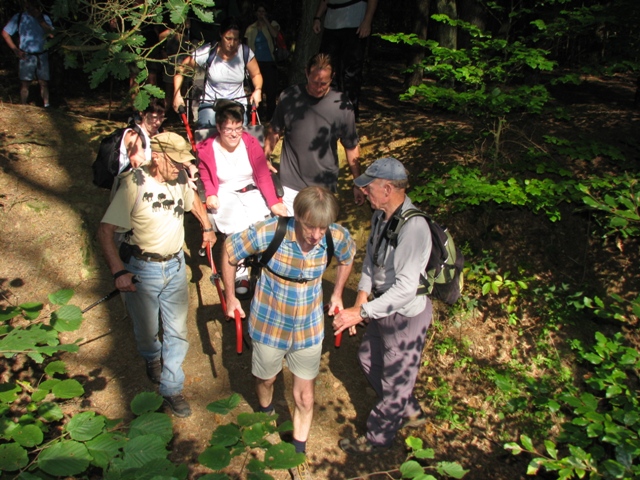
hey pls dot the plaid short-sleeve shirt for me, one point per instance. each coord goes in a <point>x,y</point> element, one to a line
<point>286,313</point>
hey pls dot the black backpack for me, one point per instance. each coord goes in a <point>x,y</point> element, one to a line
<point>443,277</point>
<point>257,264</point>
<point>107,163</point>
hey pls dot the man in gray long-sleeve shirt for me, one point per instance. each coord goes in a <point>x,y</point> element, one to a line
<point>397,318</point>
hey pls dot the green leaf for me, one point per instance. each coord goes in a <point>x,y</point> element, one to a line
<point>68,389</point>
<point>215,476</point>
<point>551,449</point>
<point>203,15</point>
<point>12,457</point>
<point>143,449</point>
<point>534,466</point>
<point>613,468</point>
<point>54,367</point>
<point>7,313</point>
<point>146,402</point>
<point>31,310</point>
<point>179,10</point>
<point>514,447</point>
<point>527,443</point>
<point>50,411</point>
<point>285,426</point>
<point>452,469</point>
<point>411,469</point>
<point>254,435</point>
<point>67,318</point>
<point>413,443</point>
<point>64,459</point>
<point>225,405</point>
<point>9,392</point>
<point>425,454</point>
<point>216,458</point>
<point>27,435</point>
<point>282,456</point>
<point>104,447</point>
<point>155,423</point>
<point>225,436</point>
<point>61,297</point>
<point>85,425</point>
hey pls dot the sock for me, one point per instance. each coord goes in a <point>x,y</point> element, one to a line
<point>268,409</point>
<point>301,447</point>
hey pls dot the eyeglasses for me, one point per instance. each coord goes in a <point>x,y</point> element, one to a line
<point>152,117</point>
<point>229,131</point>
<point>179,166</point>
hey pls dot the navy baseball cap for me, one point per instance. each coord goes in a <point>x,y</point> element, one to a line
<point>387,168</point>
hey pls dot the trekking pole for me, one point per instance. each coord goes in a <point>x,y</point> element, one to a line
<point>215,279</point>
<point>108,296</point>
<point>338,339</point>
<point>183,115</point>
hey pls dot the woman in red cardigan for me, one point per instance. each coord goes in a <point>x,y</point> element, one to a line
<point>236,179</point>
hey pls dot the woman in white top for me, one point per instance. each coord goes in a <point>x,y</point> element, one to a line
<point>224,78</point>
<point>236,179</point>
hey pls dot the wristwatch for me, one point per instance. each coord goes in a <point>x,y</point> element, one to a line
<point>363,313</point>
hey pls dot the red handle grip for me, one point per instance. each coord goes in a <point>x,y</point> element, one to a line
<point>238,332</point>
<point>338,336</point>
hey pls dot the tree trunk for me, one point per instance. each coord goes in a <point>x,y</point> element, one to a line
<point>446,35</point>
<point>417,53</point>
<point>307,43</point>
<point>470,11</point>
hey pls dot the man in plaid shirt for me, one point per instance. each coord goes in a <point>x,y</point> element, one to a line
<point>286,317</point>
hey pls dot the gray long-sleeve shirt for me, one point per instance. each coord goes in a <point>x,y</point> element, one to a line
<point>398,271</point>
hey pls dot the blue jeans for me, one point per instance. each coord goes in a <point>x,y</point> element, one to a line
<point>162,294</point>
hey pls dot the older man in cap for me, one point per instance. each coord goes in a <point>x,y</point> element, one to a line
<point>149,206</point>
<point>397,318</point>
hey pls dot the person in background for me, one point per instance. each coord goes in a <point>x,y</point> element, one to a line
<point>224,78</point>
<point>237,182</point>
<point>397,316</point>
<point>286,319</point>
<point>347,27</point>
<point>150,120</point>
<point>33,27</point>
<point>313,117</point>
<point>261,36</point>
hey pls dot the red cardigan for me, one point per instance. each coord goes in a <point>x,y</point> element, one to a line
<point>261,172</point>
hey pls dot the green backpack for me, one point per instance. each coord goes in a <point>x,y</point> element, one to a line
<point>443,278</point>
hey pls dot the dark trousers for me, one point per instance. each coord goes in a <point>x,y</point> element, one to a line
<point>347,52</point>
<point>390,356</point>
<point>269,71</point>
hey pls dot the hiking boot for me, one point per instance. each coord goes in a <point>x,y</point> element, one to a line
<point>178,405</point>
<point>414,421</point>
<point>360,445</point>
<point>154,370</point>
<point>301,472</point>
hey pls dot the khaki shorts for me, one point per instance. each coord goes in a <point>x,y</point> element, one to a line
<point>266,362</point>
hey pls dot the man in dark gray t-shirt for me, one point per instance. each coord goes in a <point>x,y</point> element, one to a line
<point>312,118</point>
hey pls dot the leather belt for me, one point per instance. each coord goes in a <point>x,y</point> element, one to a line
<point>248,188</point>
<point>155,257</point>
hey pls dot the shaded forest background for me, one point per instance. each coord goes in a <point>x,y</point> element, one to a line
<point>520,127</point>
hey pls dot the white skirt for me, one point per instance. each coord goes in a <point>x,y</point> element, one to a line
<point>238,211</point>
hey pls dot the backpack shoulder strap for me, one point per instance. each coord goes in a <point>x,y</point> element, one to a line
<point>213,49</point>
<point>281,229</point>
<point>330,247</point>
<point>245,54</point>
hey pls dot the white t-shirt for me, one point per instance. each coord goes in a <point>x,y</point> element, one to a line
<point>345,17</point>
<point>225,78</point>
<point>237,211</point>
